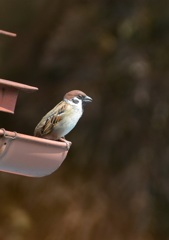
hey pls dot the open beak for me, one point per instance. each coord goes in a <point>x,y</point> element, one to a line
<point>87,99</point>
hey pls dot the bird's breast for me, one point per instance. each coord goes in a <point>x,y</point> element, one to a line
<point>68,122</point>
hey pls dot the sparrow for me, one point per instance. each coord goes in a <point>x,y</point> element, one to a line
<point>59,121</point>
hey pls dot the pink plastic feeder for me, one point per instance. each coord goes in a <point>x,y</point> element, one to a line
<point>30,156</point>
<point>22,154</point>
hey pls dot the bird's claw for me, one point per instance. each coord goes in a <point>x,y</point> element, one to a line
<point>68,144</point>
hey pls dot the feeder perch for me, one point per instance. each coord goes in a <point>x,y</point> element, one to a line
<point>22,154</point>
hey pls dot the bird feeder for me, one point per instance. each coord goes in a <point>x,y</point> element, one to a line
<point>22,154</point>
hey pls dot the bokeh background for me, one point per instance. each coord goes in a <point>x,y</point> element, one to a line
<point>114,183</point>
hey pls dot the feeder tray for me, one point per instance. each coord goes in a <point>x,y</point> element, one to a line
<point>30,156</point>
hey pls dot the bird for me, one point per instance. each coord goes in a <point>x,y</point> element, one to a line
<point>59,121</point>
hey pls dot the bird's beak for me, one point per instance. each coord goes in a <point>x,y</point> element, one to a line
<point>87,99</point>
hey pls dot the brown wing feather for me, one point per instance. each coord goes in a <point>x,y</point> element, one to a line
<point>50,120</point>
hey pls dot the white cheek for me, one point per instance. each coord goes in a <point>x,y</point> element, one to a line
<point>79,104</point>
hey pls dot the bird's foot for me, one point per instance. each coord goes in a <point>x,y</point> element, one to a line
<point>68,144</point>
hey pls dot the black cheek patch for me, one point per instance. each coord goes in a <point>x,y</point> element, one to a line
<point>75,101</point>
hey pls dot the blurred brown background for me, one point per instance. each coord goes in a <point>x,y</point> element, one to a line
<point>114,183</point>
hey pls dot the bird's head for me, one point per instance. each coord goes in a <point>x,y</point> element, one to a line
<point>77,97</point>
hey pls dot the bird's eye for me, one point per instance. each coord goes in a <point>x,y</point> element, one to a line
<point>79,96</point>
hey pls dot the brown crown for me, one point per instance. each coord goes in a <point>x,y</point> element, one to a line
<point>73,93</point>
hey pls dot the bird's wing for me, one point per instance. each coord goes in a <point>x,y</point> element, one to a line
<point>50,120</point>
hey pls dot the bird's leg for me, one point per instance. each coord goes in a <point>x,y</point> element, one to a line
<point>68,144</point>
